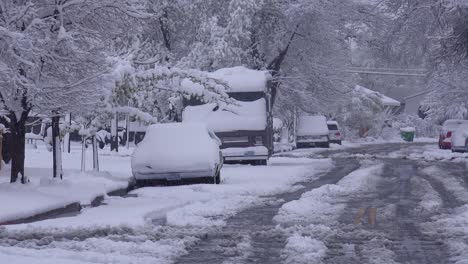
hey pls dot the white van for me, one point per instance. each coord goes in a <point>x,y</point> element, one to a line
<point>459,138</point>
<point>312,131</point>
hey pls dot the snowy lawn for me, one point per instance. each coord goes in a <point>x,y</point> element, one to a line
<point>43,193</point>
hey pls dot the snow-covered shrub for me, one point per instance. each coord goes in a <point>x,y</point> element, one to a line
<point>360,115</point>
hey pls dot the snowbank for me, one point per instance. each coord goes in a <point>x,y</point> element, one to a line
<point>176,147</point>
<point>244,116</point>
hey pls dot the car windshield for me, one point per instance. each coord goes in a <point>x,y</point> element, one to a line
<point>332,127</point>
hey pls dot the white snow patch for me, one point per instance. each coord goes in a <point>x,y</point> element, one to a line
<point>304,249</point>
<point>324,204</point>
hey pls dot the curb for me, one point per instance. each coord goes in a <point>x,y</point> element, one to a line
<point>70,209</point>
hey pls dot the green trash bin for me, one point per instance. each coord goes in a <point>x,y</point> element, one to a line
<point>407,133</point>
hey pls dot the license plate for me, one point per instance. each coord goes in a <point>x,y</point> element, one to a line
<point>249,153</point>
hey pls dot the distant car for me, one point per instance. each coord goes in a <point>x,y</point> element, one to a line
<point>334,133</point>
<point>312,131</point>
<point>178,151</point>
<point>459,138</point>
<point>445,141</point>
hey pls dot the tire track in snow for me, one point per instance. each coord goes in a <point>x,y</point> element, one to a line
<point>396,238</point>
<point>266,240</point>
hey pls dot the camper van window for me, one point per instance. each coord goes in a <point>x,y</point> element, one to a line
<point>247,96</point>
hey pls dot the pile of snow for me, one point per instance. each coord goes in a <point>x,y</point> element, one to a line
<point>243,116</point>
<point>432,153</point>
<point>312,126</point>
<point>176,147</point>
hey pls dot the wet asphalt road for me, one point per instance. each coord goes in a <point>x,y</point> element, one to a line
<point>381,226</point>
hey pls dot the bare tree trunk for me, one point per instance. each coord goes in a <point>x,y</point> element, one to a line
<point>115,133</point>
<point>83,154</point>
<point>95,154</point>
<point>56,145</point>
<point>18,146</point>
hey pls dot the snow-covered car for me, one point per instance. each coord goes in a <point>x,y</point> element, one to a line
<point>334,133</point>
<point>459,138</point>
<point>177,151</point>
<point>445,141</point>
<point>312,131</point>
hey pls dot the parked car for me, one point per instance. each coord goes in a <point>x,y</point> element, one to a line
<point>177,151</point>
<point>445,141</point>
<point>334,133</point>
<point>459,138</point>
<point>312,131</point>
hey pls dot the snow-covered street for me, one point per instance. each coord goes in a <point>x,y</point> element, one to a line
<point>356,204</point>
<point>233,132</point>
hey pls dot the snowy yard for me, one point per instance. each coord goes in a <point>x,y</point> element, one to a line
<point>43,193</point>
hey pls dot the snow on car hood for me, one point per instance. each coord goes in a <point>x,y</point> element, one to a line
<point>176,148</point>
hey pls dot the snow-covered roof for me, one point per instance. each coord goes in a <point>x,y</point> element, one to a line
<point>239,79</point>
<point>387,101</point>
<point>244,116</point>
<point>331,122</point>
